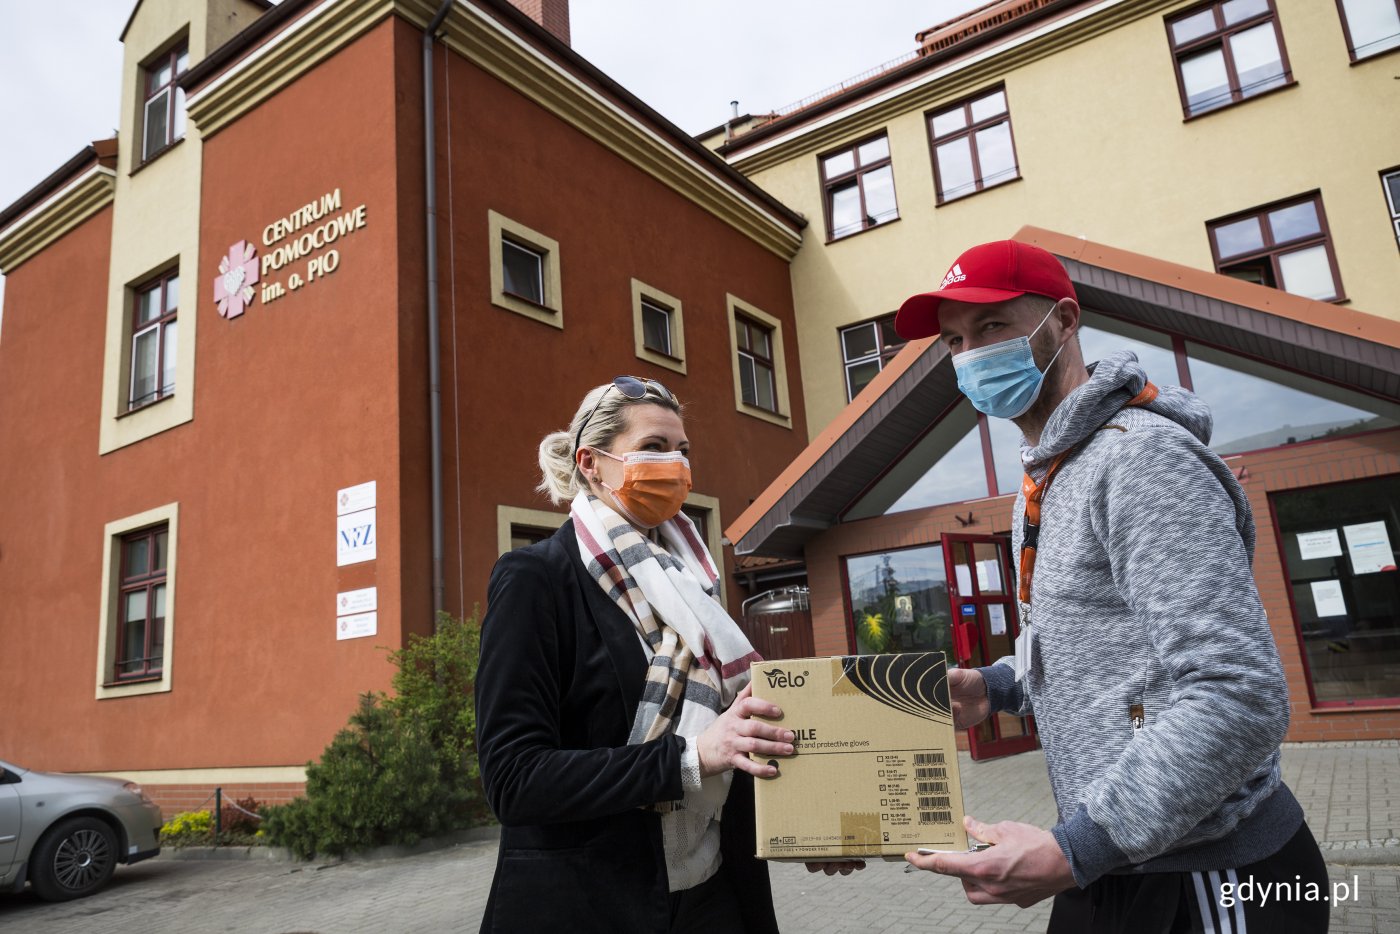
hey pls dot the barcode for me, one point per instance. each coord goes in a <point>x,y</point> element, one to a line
<point>935,817</point>
<point>930,771</point>
<point>931,788</point>
<point>929,758</point>
<point>935,801</point>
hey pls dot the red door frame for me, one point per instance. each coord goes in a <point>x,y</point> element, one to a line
<point>972,634</point>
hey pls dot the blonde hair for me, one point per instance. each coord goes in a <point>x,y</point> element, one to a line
<point>561,479</point>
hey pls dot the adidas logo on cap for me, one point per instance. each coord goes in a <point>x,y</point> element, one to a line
<point>954,275</point>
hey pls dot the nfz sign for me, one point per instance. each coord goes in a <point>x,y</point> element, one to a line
<point>356,537</point>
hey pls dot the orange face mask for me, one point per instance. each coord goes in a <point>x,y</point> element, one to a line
<point>654,486</point>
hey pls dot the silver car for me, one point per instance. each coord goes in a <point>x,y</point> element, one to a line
<point>65,834</point>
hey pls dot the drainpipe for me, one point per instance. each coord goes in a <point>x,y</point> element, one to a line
<point>434,369</point>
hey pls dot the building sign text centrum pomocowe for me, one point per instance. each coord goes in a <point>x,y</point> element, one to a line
<point>304,234</point>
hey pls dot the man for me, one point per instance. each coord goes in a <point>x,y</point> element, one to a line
<point>1144,653</point>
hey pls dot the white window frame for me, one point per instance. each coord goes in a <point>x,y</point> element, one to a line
<point>878,355</point>
<point>112,536</point>
<point>1390,201</point>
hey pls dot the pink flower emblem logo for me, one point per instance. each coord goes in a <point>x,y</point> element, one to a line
<point>233,287</point>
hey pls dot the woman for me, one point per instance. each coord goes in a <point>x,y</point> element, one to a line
<point>613,713</point>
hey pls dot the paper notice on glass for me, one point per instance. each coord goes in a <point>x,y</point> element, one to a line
<point>989,574</point>
<point>1324,544</point>
<point>996,615</point>
<point>1327,597</point>
<point>1369,545</point>
<point>964,577</point>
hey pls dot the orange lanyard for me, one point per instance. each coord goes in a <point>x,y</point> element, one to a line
<point>1035,495</point>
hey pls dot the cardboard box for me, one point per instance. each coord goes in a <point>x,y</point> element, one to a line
<point>875,773</point>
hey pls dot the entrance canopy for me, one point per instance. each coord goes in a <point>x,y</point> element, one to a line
<point>1326,342</point>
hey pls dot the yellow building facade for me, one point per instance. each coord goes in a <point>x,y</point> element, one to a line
<point>1169,128</point>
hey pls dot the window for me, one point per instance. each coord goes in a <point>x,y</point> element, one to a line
<point>1254,405</point>
<point>523,536</point>
<point>658,327</point>
<point>524,271</point>
<point>1284,245</point>
<point>141,604</point>
<point>701,518</point>
<point>518,528</point>
<point>163,116</point>
<point>859,188</point>
<point>1338,546</point>
<point>1390,182</point>
<point>756,364</point>
<point>865,349</point>
<point>760,373</point>
<point>138,606</point>
<point>704,512</point>
<point>1371,26</point>
<point>1226,52</point>
<point>899,602</point>
<point>153,341</point>
<point>972,146</point>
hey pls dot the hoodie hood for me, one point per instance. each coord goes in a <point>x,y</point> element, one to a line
<point>1112,382</point>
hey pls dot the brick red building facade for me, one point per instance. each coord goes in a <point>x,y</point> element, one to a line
<point>175,534</point>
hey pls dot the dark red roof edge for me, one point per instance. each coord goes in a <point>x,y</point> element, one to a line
<point>101,151</point>
<point>893,76</point>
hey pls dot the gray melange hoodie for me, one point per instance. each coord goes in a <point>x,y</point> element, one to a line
<point>1143,595</point>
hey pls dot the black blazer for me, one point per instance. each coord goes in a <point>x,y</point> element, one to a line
<point>561,674</point>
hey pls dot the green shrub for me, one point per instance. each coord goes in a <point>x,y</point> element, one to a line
<point>188,828</point>
<point>405,766</point>
<point>434,683</point>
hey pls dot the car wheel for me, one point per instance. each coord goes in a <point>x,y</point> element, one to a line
<point>75,858</point>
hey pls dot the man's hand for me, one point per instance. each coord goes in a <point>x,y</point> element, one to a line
<point>726,743</point>
<point>969,693</point>
<point>1026,865</point>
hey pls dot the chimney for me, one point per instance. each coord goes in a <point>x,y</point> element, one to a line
<point>551,14</point>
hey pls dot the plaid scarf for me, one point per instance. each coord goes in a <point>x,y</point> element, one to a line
<point>669,594</point>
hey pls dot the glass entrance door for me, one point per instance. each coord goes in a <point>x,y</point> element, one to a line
<point>982,599</point>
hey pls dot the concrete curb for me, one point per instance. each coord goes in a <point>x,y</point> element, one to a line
<point>280,854</point>
<point>1362,852</point>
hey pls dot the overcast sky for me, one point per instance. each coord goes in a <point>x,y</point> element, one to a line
<point>60,62</point>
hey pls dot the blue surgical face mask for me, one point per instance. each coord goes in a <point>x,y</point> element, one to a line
<point>1002,379</point>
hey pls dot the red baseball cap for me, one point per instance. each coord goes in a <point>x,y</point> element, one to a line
<point>989,272</point>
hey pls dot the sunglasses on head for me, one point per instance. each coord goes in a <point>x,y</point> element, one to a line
<point>632,387</point>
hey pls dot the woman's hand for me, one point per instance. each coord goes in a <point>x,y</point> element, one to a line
<point>726,743</point>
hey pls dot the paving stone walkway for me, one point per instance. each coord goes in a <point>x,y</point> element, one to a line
<point>1351,794</point>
